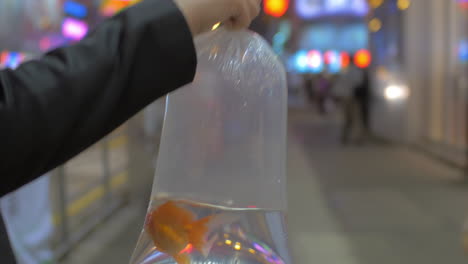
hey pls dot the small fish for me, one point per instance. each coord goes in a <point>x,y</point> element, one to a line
<point>172,228</point>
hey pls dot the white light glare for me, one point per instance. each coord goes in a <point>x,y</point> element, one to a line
<point>396,92</point>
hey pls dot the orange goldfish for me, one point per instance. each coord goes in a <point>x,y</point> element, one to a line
<point>173,228</point>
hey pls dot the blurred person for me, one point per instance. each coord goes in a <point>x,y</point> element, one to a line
<point>362,94</point>
<point>322,90</point>
<point>309,86</point>
<point>53,108</point>
<point>345,89</point>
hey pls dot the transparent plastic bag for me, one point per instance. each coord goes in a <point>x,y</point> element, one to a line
<point>219,192</point>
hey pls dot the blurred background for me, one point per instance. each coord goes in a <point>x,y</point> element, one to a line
<point>377,135</point>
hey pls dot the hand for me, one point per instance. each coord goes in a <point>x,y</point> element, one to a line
<point>201,15</point>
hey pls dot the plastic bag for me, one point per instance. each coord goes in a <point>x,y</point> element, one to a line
<point>219,192</point>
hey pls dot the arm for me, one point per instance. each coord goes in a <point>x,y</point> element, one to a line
<point>53,108</point>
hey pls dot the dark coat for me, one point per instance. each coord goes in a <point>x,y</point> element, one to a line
<point>53,108</point>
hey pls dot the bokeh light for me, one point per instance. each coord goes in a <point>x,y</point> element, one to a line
<point>276,8</point>
<point>375,25</point>
<point>362,58</point>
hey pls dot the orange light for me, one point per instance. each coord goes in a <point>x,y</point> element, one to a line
<point>362,58</point>
<point>187,249</point>
<point>276,8</point>
<point>111,7</point>
<point>345,59</point>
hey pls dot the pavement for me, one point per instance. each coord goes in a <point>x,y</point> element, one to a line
<point>347,205</point>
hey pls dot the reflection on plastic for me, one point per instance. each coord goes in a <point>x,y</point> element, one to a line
<point>221,165</point>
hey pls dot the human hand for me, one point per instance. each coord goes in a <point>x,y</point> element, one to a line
<point>201,15</point>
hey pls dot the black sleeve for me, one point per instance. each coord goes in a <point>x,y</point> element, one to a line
<point>53,108</point>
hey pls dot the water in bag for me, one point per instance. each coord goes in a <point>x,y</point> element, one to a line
<point>219,187</point>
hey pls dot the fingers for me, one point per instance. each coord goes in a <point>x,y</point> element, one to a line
<point>201,15</point>
<point>246,11</point>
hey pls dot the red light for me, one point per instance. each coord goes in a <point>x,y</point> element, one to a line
<point>3,57</point>
<point>328,57</point>
<point>362,58</point>
<point>345,59</point>
<point>463,4</point>
<point>276,8</point>
<point>251,206</point>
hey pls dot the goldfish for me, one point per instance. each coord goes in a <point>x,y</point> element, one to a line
<point>172,228</point>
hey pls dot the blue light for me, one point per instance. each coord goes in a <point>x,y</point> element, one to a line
<point>317,8</point>
<point>75,9</point>
<point>463,51</point>
<point>301,61</point>
<point>326,36</point>
<point>334,61</point>
<point>13,60</point>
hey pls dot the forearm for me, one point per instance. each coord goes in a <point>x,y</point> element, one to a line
<point>53,108</point>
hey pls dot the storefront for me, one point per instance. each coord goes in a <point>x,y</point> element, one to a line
<point>423,48</point>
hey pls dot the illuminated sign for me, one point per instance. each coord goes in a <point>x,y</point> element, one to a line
<point>327,36</point>
<point>316,8</point>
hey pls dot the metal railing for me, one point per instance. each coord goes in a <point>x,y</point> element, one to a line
<point>88,189</point>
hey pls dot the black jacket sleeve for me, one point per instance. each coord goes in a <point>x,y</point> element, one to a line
<point>53,108</point>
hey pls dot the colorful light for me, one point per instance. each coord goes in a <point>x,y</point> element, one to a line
<point>463,4</point>
<point>311,9</point>
<point>463,51</point>
<point>300,61</point>
<point>375,25</point>
<point>188,249</point>
<point>111,7</point>
<point>333,60</point>
<point>403,4</point>
<point>315,61</point>
<point>275,8</point>
<point>345,59</point>
<point>11,59</point>
<point>44,43</point>
<point>237,246</point>
<point>75,9</point>
<point>74,29</point>
<point>362,58</point>
<point>215,26</point>
<point>375,3</point>
<point>3,57</point>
